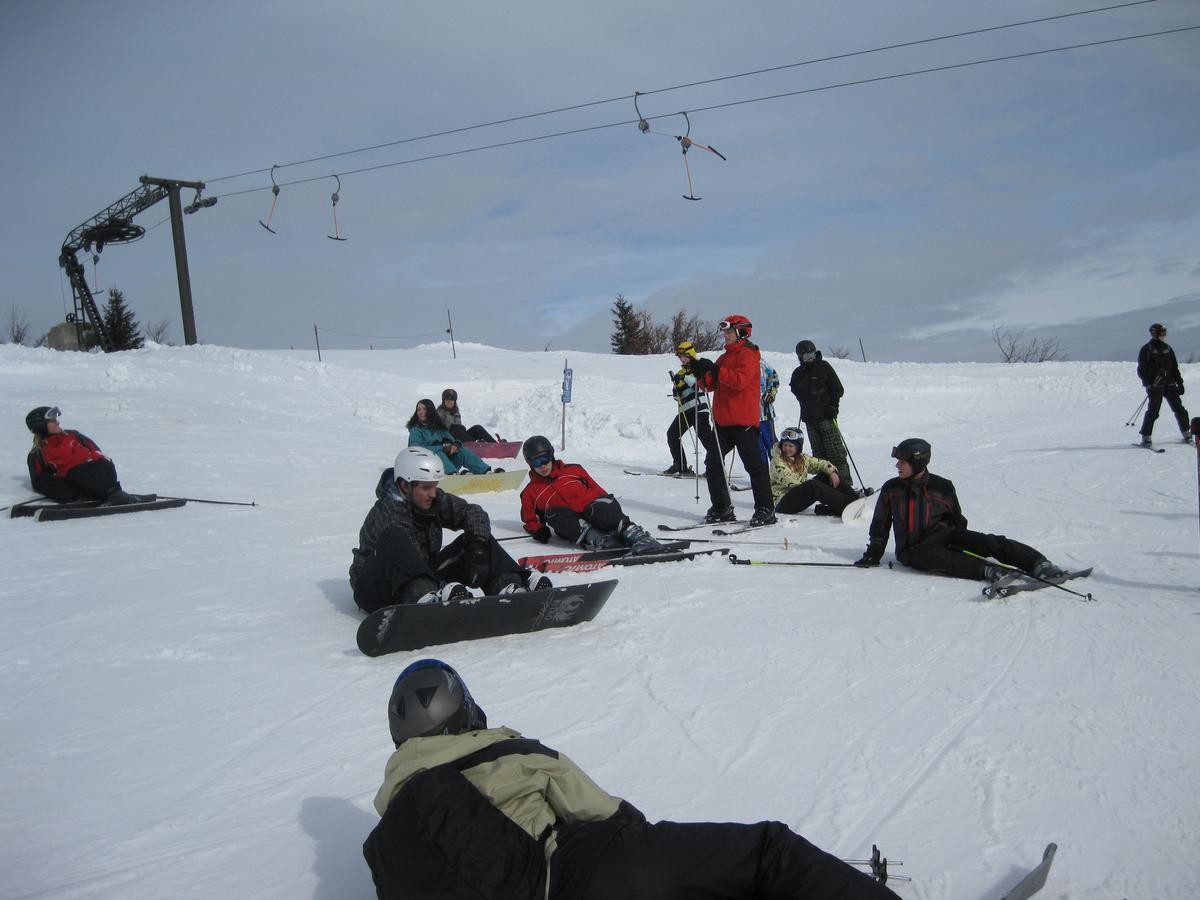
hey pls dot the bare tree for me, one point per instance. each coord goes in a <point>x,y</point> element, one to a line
<point>18,326</point>
<point>1015,347</point>
<point>702,334</point>
<point>839,352</point>
<point>159,332</point>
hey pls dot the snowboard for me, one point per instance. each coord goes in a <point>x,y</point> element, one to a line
<point>411,626</point>
<point>627,559</point>
<point>494,449</point>
<point>859,510</point>
<point>87,509</point>
<point>478,484</point>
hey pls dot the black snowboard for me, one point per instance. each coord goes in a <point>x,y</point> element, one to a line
<point>411,626</point>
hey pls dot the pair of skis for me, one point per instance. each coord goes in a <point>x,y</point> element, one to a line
<point>1016,582</point>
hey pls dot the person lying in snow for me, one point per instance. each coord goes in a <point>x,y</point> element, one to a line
<point>67,465</point>
<point>931,531</point>
<point>400,557</point>
<point>564,498</point>
<point>472,811</point>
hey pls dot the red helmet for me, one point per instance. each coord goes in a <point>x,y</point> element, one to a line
<point>740,324</point>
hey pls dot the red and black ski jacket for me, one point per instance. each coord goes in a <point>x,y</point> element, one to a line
<point>917,509</point>
<point>58,455</point>
<point>737,399</point>
<point>567,485</point>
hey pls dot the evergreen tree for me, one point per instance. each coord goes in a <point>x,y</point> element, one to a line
<point>626,335</point>
<point>120,323</point>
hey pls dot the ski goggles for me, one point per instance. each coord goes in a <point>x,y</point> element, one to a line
<point>53,413</point>
<point>725,325</point>
<point>538,461</point>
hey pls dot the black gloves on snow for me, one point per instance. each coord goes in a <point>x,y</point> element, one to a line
<point>542,535</point>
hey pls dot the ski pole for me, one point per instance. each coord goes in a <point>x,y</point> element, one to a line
<point>850,456</point>
<point>1133,418</point>
<point>879,866</point>
<point>786,545</point>
<point>215,502</point>
<point>1196,441</point>
<point>1087,597</point>
<point>739,561</point>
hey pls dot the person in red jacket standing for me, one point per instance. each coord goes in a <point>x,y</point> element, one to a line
<point>67,465</point>
<point>564,499</point>
<point>735,379</point>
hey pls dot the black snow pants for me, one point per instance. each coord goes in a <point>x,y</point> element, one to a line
<point>603,513</point>
<point>815,490</point>
<point>743,438</point>
<point>398,573</point>
<point>1155,396</point>
<point>679,427</point>
<point>700,861</point>
<point>942,554</point>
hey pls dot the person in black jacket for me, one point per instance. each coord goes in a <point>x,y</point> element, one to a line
<point>469,811</point>
<point>1159,371</point>
<point>922,510</point>
<point>400,557</point>
<point>819,392</point>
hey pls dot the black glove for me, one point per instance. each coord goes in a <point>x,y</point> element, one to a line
<point>833,411</point>
<point>702,366</point>
<point>542,535</point>
<point>1179,388</point>
<point>475,565</point>
<point>867,561</point>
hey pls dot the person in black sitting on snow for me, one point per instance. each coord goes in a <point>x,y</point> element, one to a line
<point>451,417</point>
<point>931,531</point>
<point>66,465</point>
<point>400,557</point>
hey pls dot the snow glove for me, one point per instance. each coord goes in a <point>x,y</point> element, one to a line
<point>542,535</point>
<point>701,366</point>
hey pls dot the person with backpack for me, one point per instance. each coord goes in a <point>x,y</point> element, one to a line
<point>67,465</point>
<point>563,499</point>
<point>923,512</point>
<point>736,379</point>
<point>1159,371</point>
<point>468,810</point>
<point>400,557</point>
<point>799,481</point>
<point>691,412</point>
<point>819,391</point>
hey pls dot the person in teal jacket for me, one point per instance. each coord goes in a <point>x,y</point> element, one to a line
<point>425,429</point>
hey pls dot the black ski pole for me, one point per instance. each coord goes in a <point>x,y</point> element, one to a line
<point>1133,418</point>
<point>1196,441</point>
<point>215,502</point>
<point>739,561</point>
<point>1088,597</point>
<point>850,456</point>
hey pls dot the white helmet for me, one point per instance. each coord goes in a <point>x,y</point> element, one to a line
<point>417,464</point>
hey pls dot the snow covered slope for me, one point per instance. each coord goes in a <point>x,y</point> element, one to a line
<point>187,715</point>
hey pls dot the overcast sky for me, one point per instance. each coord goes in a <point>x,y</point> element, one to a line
<point>1058,193</point>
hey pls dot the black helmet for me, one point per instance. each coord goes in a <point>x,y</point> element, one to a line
<point>914,451</point>
<point>1158,330</point>
<point>793,436</point>
<point>35,419</point>
<point>536,446</point>
<point>806,348</point>
<point>430,698</point>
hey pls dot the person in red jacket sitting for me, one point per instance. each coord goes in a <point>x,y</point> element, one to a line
<point>736,379</point>
<point>66,465</point>
<point>563,498</point>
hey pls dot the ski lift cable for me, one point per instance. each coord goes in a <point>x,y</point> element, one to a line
<point>715,80</point>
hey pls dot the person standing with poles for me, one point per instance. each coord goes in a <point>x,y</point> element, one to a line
<point>819,391</point>
<point>691,412</point>
<point>1159,371</point>
<point>735,378</point>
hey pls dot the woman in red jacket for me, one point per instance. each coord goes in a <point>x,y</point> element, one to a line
<point>564,498</point>
<point>67,465</point>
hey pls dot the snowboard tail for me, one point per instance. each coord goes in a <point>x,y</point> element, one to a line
<point>411,626</point>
